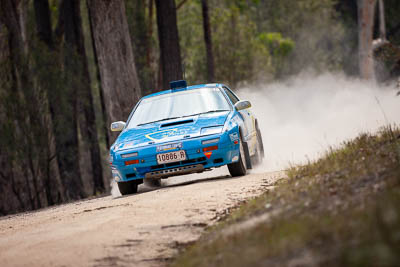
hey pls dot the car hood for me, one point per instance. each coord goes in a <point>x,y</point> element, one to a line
<point>167,131</point>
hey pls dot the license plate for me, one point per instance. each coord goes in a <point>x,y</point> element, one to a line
<point>171,157</point>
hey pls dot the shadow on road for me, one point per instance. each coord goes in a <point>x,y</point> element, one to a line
<point>174,182</point>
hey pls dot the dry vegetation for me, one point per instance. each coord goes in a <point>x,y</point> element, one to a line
<point>342,210</point>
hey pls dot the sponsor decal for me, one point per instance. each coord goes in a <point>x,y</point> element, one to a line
<point>165,134</point>
<point>234,136</point>
<point>169,147</point>
<point>125,145</point>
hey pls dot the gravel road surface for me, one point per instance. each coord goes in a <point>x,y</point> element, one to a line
<point>145,229</point>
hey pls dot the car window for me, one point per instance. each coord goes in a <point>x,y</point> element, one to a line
<point>179,104</point>
<point>231,96</point>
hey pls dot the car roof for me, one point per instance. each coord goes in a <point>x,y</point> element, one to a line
<point>192,87</point>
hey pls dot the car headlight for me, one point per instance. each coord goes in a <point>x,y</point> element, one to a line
<point>211,130</point>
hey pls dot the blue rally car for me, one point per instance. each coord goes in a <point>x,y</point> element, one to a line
<point>187,129</point>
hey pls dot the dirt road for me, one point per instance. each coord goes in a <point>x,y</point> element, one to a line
<point>145,229</point>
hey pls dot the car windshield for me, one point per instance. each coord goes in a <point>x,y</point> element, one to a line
<point>177,105</point>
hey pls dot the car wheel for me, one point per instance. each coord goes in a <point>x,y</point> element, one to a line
<point>239,168</point>
<point>126,188</point>
<point>260,144</point>
<point>257,158</point>
<point>259,155</point>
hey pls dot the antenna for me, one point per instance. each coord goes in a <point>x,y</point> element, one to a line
<point>183,71</point>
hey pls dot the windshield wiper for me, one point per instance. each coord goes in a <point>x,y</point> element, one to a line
<point>210,111</point>
<point>166,119</point>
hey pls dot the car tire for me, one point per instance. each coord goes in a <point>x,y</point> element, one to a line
<point>257,158</point>
<point>126,188</point>
<point>239,168</point>
<point>259,155</point>
<point>260,144</point>
<point>249,163</point>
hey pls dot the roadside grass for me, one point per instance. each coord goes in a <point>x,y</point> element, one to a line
<point>341,210</point>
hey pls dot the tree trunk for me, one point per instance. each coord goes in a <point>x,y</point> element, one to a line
<point>382,26</point>
<point>105,127</point>
<point>63,108</point>
<point>75,41</point>
<point>9,195</point>
<point>43,23</point>
<point>365,31</point>
<point>119,81</point>
<point>9,13</point>
<point>208,41</point>
<point>170,55</point>
<point>152,83</point>
<point>45,34</point>
<point>149,33</point>
<point>24,125</point>
<point>141,42</point>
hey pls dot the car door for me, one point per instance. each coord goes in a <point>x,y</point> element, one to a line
<point>249,121</point>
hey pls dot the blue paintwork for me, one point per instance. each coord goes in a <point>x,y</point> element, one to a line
<point>145,139</point>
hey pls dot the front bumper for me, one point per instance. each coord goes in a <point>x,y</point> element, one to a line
<point>196,160</point>
<point>175,171</point>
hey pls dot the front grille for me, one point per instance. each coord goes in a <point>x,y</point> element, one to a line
<point>175,171</point>
<point>179,163</point>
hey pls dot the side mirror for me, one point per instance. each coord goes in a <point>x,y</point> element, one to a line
<point>117,126</point>
<point>243,104</point>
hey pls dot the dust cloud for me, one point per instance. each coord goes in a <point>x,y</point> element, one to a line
<point>302,117</point>
<point>114,189</point>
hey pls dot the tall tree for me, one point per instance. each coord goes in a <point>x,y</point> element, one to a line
<point>149,32</point>
<point>113,47</point>
<point>80,74</point>
<point>63,108</point>
<point>366,11</point>
<point>170,54</point>
<point>139,22</point>
<point>23,109</point>
<point>43,21</point>
<point>208,41</point>
<point>382,23</point>
<point>45,34</point>
<point>104,127</point>
<point>7,86</point>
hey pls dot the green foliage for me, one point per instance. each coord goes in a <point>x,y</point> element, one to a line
<point>392,10</point>
<point>238,55</point>
<point>264,40</point>
<point>278,47</point>
<point>314,27</point>
<point>192,45</point>
<point>234,46</point>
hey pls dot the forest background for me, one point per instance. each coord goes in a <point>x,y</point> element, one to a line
<point>69,68</point>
